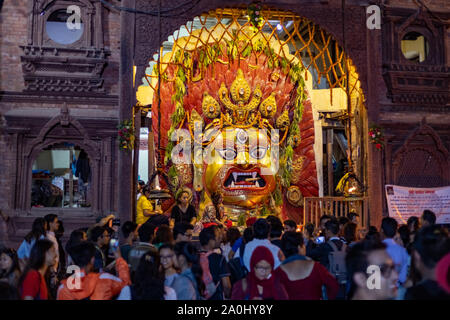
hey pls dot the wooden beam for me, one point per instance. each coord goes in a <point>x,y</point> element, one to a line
<point>127,99</point>
<point>330,161</point>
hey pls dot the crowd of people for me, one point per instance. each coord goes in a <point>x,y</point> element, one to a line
<point>158,258</point>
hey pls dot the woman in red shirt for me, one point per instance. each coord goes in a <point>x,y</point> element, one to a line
<point>303,278</point>
<point>260,283</point>
<point>33,285</point>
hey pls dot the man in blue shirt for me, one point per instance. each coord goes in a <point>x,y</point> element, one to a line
<point>397,253</point>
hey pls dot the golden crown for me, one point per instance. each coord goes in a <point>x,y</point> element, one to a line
<point>239,110</point>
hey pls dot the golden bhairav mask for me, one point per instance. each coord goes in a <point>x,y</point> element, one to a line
<point>242,166</point>
<point>239,160</point>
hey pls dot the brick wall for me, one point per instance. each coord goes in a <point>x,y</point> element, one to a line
<point>13,32</point>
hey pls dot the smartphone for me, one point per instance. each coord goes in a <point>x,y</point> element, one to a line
<point>320,240</point>
<point>113,246</point>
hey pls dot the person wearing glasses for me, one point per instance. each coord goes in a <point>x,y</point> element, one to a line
<point>169,265</point>
<point>100,237</point>
<point>260,283</point>
<point>371,272</point>
<point>183,231</point>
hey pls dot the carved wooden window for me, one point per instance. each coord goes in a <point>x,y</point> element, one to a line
<point>414,57</point>
<point>48,15</point>
<point>64,57</point>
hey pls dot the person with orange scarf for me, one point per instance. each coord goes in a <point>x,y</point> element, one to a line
<point>260,283</point>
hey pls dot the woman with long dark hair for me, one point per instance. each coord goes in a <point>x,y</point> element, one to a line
<point>9,267</point>
<point>413,224</point>
<point>33,283</point>
<point>148,282</point>
<point>76,237</point>
<point>188,285</point>
<point>168,263</point>
<point>183,211</point>
<point>38,231</point>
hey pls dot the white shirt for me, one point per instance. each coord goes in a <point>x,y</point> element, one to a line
<point>52,238</point>
<point>400,257</point>
<point>252,245</point>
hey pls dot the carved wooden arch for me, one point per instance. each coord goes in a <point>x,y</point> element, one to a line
<point>63,119</point>
<point>144,52</point>
<point>419,15</point>
<point>41,142</point>
<point>438,151</point>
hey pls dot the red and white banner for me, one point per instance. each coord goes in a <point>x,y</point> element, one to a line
<point>404,202</point>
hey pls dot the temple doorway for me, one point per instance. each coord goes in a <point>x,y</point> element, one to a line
<point>275,104</point>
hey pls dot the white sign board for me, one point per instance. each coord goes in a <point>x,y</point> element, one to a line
<point>404,202</point>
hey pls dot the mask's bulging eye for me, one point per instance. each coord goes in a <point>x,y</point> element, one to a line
<point>258,152</point>
<point>228,154</point>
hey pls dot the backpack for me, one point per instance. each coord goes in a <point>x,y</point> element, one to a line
<point>336,265</point>
<point>210,286</point>
<point>237,268</point>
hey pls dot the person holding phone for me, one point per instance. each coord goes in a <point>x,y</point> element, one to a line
<point>90,285</point>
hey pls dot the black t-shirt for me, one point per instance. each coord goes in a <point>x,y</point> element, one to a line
<point>219,269</point>
<point>276,242</point>
<point>100,259</point>
<point>180,216</point>
<point>427,290</point>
